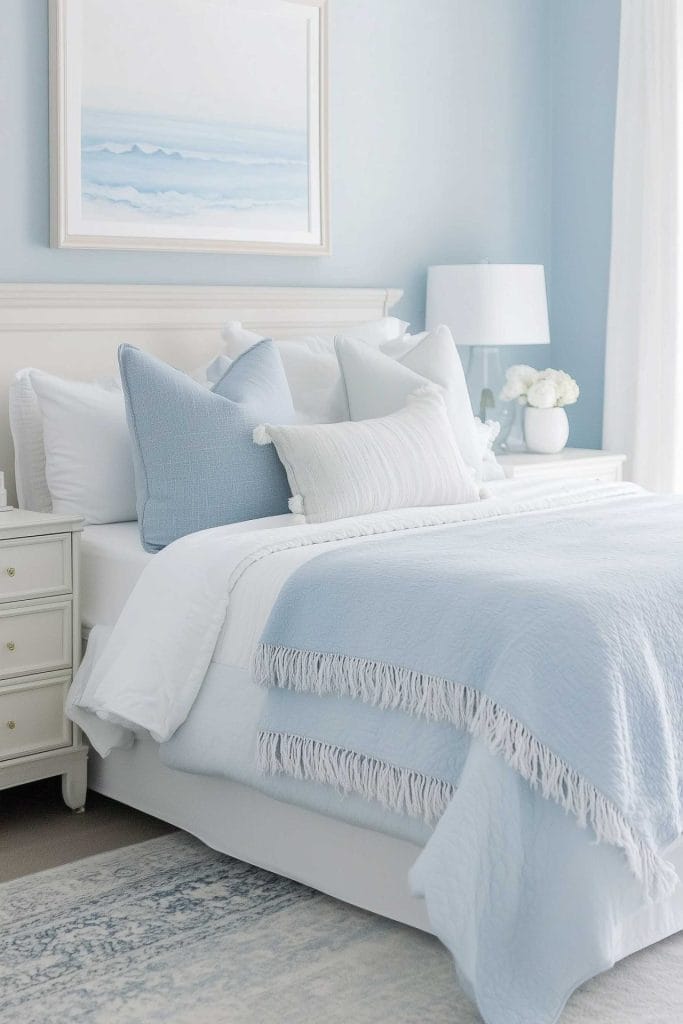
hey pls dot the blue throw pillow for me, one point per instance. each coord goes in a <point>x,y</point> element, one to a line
<point>196,465</point>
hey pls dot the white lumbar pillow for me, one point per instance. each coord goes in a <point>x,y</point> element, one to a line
<point>311,365</point>
<point>378,382</point>
<point>88,455</point>
<point>409,459</point>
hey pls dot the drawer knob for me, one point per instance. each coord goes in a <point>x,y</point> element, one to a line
<point>11,645</point>
<point>11,724</point>
<point>11,571</point>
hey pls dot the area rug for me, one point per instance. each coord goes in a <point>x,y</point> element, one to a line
<point>170,931</point>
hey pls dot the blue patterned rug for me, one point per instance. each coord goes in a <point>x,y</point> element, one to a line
<point>170,931</point>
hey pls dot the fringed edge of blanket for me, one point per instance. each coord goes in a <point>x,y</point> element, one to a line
<point>394,687</point>
<point>398,789</point>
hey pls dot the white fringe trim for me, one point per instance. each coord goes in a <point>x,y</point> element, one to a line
<point>398,789</point>
<point>391,686</point>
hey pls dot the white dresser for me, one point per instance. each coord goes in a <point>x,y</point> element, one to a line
<point>591,464</point>
<point>39,651</point>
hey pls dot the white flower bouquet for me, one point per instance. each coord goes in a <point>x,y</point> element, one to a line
<point>541,389</point>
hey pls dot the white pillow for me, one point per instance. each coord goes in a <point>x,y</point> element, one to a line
<point>378,382</point>
<point>26,425</point>
<point>405,460</point>
<point>212,372</point>
<point>311,365</point>
<point>88,457</point>
<point>486,433</point>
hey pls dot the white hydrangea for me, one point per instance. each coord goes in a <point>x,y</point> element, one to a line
<point>542,389</point>
<point>518,380</point>
<point>542,394</point>
<point>568,392</point>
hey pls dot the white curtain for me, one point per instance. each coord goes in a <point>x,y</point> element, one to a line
<point>644,360</point>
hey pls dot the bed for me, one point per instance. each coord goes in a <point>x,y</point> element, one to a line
<point>75,330</point>
<point>339,843</point>
<point>230,816</point>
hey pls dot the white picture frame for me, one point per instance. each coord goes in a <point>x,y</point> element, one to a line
<point>150,169</point>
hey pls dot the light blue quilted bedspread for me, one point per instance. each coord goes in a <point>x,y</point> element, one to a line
<point>555,640</point>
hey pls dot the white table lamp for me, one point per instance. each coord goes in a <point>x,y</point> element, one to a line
<point>487,305</point>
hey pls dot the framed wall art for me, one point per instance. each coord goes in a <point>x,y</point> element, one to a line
<point>196,125</point>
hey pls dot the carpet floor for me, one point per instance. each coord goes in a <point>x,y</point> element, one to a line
<point>170,931</point>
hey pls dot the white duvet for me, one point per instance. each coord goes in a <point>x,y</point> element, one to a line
<point>207,597</point>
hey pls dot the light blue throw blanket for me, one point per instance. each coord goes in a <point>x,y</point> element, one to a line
<point>555,638</point>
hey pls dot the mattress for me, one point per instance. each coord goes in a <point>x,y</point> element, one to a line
<point>112,559</point>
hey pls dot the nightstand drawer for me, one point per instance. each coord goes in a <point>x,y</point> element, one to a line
<point>35,636</point>
<point>32,718</point>
<point>570,463</point>
<point>598,470</point>
<point>35,567</point>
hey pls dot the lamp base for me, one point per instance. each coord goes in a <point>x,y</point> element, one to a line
<point>485,379</point>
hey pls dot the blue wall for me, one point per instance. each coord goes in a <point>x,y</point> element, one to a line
<point>585,50</point>
<point>461,130</point>
<point>439,115</point>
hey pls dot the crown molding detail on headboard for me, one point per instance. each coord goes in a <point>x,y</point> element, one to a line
<point>30,306</point>
<point>75,330</point>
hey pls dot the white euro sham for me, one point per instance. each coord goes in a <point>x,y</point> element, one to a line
<point>88,456</point>
<point>26,424</point>
<point>311,365</point>
<point>378,381</point>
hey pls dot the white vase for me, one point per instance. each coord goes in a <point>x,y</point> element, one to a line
<point>546,431</point>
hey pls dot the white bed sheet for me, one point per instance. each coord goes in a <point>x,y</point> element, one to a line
<point>112,560</point>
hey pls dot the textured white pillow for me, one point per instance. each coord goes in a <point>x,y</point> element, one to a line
<point>408,459</point>
<point>88,457</point>
<point>378,382</point>
<point>311,365</point>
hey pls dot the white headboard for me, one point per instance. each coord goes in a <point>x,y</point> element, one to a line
<point>75,330</point>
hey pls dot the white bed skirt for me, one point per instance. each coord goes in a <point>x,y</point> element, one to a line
<point>353,864</point>
<point>357,865</point>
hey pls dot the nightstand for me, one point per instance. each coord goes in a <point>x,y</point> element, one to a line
<point>39,651</point>
<point>572,462</point>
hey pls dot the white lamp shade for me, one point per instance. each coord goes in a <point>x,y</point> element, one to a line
<point>489,303</point>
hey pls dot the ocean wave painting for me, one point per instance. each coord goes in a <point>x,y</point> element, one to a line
<point>167,169</point>
<point>191,124</point>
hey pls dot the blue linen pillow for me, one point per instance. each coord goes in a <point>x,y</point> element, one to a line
<point>196,465</point>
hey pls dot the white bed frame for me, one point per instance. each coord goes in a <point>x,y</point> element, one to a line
<point>75,331</point>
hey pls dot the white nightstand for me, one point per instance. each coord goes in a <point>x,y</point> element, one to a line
<point>572,462</point>
<point>39,651</point>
